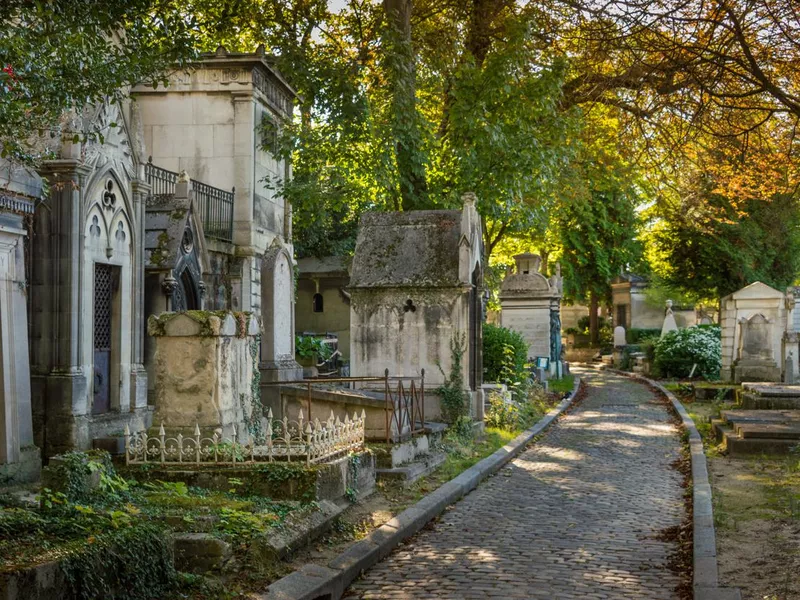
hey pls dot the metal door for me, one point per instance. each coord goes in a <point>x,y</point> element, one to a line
<point>103,292</point>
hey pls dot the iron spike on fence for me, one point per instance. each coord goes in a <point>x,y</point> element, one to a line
<point>197,440</point>
<point>162,434</point>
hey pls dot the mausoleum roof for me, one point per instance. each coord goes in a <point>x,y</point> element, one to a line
<point>330,266</point>
<point>408,249</point>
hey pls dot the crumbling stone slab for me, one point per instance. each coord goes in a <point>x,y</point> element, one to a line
<point>200,552</point>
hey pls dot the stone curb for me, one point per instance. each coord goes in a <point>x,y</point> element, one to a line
<point>704,545</point>
<point>312,582</point>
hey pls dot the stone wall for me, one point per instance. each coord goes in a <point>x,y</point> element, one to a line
<point>206,367</point>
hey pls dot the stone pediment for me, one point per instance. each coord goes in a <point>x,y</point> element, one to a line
<point>756,290</point>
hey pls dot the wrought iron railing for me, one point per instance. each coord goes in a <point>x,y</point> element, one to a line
<point>404,400</point>
<point>216,210</point>
<point>300,440</point>
<point>215,206</point>
<point>161,181</point>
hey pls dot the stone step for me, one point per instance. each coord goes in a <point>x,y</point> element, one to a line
<point>769,430</point>
<point>760,402</point>
<point>760,416</point>
<point>413,471</point>
<point>736,445</point>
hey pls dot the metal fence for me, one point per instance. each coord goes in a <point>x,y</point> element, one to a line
<point>404,400</point>
<point>213,205</point>
<point>301,440</point>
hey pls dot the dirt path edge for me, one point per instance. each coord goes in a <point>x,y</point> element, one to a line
<point>706,575</point>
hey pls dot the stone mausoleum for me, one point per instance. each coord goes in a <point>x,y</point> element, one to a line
<point>173,211</point>
<point>530,304</point>
<point>416,286</point>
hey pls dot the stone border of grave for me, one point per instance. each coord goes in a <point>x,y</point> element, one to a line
<point>705,584</point>
<point>313,581</point>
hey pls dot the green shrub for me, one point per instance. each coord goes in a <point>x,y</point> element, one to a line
<point>636,335</point>
<point>522,412</point>
<point>504,354</point>
<point>678,351</point>
<point>583,323</point>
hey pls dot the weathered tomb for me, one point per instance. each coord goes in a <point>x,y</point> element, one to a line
<point>416,288</point>
<point>19,458</point>
<point>632,310</point>
<point>205,367</point>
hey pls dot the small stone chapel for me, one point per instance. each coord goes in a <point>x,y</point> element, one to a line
<point>530,304</point>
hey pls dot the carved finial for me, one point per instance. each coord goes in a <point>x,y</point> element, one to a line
<point>468,199</point>
<point>222,50</point>
<point>183,176</point>
<point>161,430</point>
<point>261,50</point>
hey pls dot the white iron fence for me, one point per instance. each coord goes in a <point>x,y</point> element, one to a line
<point>300,440</point>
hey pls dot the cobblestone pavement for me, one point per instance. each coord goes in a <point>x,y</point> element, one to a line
<point>574,516</point>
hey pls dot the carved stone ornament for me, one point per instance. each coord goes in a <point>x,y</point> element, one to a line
<point>187,243</point>
<point>109,197</point>
<point>169,285</point>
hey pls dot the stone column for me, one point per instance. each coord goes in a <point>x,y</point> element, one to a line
<point>141,190</point>
<point>59,383</point>
<point>244,140</point>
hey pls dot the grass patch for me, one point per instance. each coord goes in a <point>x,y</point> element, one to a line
<point>561,386</point>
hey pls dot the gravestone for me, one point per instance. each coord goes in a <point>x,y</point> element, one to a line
<point>756,360</point>
<point>669,321</point>
<point>619,336</point>
<point>754,323</point>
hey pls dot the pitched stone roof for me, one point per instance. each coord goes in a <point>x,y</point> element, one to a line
<point>407,249</point>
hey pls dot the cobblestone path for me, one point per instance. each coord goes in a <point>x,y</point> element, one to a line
<point>574,516</point>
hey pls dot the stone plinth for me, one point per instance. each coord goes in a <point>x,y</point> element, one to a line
<point>206,367</point>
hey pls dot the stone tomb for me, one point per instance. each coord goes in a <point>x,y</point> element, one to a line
<point>416,287</point>
<point>530,305</point>
<point>754,320</point>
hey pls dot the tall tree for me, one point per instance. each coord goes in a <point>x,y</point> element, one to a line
<point>60,55</point>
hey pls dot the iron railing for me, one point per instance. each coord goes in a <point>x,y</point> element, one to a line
<point>404,400</point>
<point>300,440</point>
<point>161,181</point>
<point>216,210</point>
<point>215,206</point>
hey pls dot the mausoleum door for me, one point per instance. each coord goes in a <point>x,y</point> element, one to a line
<point>105,282</point>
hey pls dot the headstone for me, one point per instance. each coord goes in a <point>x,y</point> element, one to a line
<point>619,336</point>
<point>788,374</point>
<point>669,321</point>
<point>756,360</point>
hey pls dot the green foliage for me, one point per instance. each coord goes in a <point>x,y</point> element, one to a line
<point>583,323</point>
<point>132,563</point>
<point>711,256</point>
<point>517,414</point>
<point>454,399</point>
<point>678,351</point>
<point>73,470</point>
<point>308,346</point>
<point>62,55</point>
<point>637,334</point>
<point>504,354</point>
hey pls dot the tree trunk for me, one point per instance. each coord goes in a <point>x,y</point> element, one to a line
<point>401,73</point>
<point>594,334</point>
